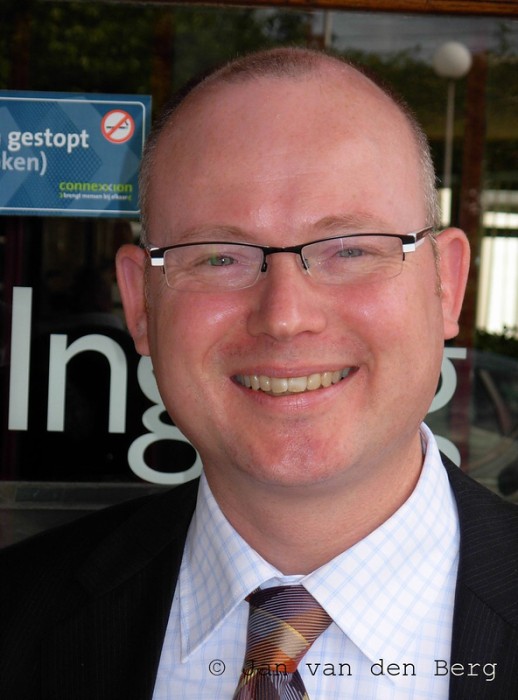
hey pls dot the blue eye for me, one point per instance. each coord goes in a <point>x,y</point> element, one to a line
<point>351,252</point>
<point>220,261</point>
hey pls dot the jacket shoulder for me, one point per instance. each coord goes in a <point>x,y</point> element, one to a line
<point>65,547</point>
<point>488,563</point>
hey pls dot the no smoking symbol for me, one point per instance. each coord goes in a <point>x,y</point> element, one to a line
<point>118,126</point>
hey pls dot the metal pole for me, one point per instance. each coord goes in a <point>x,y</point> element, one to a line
<point>446,199</point>
<point>450,114</point>
<point>328,29</point>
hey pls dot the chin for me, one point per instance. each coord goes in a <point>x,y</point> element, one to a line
<point>294,468</point>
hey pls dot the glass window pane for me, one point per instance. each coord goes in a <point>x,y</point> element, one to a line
<point>61,314</point>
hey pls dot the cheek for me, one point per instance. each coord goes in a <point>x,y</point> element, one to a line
<point>176,343</point>
<point>377,311</point>
<point>186,328</point>
<point>401,318</point>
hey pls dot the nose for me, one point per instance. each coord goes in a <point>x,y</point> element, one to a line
<point>286,301</point>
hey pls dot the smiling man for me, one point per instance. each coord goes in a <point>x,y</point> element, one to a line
<point>294,296</point>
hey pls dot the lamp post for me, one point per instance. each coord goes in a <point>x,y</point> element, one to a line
<point>452,61</point>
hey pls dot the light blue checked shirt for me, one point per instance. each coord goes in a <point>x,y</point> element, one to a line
<point>390,597</point>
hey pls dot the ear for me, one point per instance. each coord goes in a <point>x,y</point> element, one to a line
<point>454,254</point>
<point>131,264</point>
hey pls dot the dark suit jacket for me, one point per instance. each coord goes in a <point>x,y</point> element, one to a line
<point>84,608</point>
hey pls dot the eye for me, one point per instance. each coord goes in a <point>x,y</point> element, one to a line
<point>228,258</point>
<point>351,252</point>
<point>220,261</point>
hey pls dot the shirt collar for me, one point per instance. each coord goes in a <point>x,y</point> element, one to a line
<point>404,563</point>
<point>217,566</point>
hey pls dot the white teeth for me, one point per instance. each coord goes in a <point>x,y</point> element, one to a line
<point>254,382</point>
<point>314,381</point>
<point>327,378</point>
<point>264,383</point>
<point>296,385</point>
<point>279,386</point>
<point>292,385</point>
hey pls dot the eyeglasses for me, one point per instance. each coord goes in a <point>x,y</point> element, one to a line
<point>357,258</point>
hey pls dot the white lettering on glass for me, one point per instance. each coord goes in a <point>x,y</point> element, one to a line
<point>20,358</point>
<point>444,396</point>
<point>61,354</point>
<point>158,431</point>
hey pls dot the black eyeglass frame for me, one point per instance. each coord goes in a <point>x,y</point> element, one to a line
<point>409,242</point>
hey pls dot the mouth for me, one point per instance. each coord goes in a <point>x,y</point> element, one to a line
<point>284,386</point>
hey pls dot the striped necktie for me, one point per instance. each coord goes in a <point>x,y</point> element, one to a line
<point>283,623</point>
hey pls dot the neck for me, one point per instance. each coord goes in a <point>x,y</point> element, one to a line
<point>298,529</point>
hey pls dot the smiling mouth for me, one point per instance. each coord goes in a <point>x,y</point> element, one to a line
<point>278,386</point>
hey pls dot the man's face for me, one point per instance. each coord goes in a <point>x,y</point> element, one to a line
<point>273,162</point>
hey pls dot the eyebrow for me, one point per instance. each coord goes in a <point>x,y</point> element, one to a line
<point>353,223</point>
<point>217,232</point>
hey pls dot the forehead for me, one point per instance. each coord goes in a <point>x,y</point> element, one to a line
<point>291,139</point>
<point>325,103</point>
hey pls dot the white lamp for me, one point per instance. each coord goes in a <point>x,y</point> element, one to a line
<point>452,61</point>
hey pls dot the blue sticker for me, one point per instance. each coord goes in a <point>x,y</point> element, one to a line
<point>67,154</point>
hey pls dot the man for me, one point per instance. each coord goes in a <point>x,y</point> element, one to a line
<point>294,298</point>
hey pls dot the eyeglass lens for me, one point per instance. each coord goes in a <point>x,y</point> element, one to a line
<point>349,259</point>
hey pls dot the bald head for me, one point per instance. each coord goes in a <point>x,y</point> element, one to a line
<point>290,65</point>
<point>281,152</point>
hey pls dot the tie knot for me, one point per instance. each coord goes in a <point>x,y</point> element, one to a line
<point>284,621</point>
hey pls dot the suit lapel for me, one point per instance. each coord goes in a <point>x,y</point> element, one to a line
<point>109,642</point>
<point>485,625</point>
